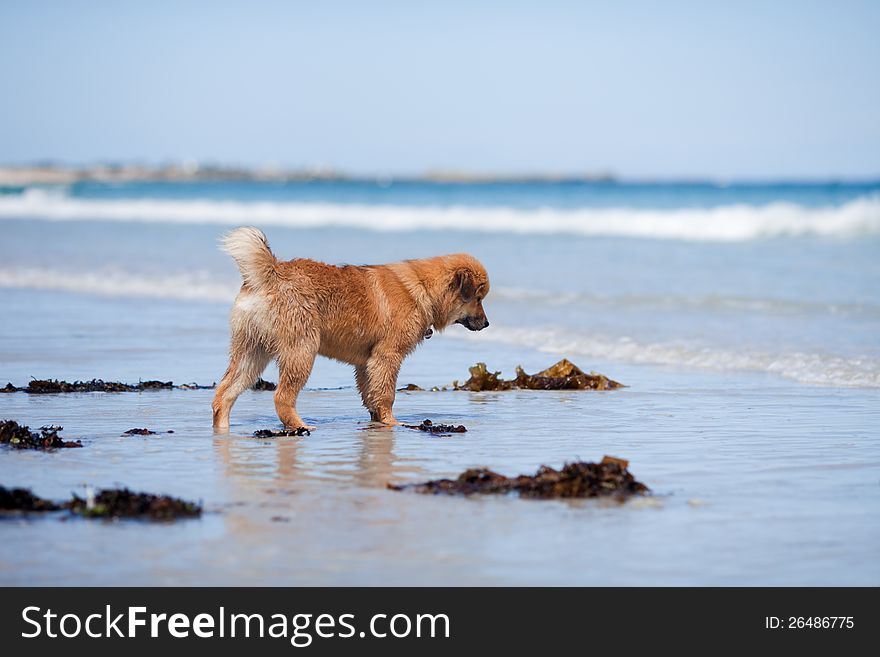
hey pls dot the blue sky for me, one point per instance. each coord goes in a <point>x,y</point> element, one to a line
<point>642,89</point>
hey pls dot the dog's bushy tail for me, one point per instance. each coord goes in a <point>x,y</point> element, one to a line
<point>249,248</point>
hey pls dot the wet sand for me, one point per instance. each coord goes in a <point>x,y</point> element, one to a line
<point>754,482</point>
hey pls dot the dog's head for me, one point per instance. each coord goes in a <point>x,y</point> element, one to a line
<point>468,287</point>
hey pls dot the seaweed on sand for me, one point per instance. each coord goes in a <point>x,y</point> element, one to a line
<point>123,503</point>
<point>482,379</point>
<point>21,437</point>
<point>153,385</point>
<point>110,503</point>
<point>49,386</point>
<point>21,499</point>
<point>563,375</point>
<point>609,478</point>
<point>195,386</point>
<point>268,433</point>
<point>430,427</point>
<point>53,386</point>
<point>263,385</point>
<point>144,432</point>
<point>412,387</point>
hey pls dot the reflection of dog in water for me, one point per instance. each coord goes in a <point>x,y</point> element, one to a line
<point>369,316</point>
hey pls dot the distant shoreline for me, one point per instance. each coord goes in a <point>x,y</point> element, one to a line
<point>59,174</point>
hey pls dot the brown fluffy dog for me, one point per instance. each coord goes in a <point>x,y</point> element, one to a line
<point>371,317</point>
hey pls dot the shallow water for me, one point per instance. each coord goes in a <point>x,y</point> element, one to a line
<point>753,368</point>
<point>753,483</point>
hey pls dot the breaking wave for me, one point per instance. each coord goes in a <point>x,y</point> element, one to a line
<point>810,368</point>
<point>731,223</point>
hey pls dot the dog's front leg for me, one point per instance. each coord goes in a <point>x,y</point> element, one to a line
<point>294,367</point>
<point>360,377</point>
<point>381,373</point>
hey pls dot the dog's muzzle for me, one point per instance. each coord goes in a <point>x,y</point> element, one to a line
<point>472,324</point>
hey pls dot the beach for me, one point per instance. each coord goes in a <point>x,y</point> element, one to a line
<point>743,320</point>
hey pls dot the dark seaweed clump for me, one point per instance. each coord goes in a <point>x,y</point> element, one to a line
<point>610,477</point>
<point>263,385</point>
<point>268,433</point>
<point>52,386</point>
<point>563,375</point>
<point>49,386</point>
<point>110,503</point>
<point>430,427</point>
<point>21,437</point>
<point>143,432</point>
<point>412,387</point>
<point>21,499</point>
<point>123,503</point>
<point>154,385</point>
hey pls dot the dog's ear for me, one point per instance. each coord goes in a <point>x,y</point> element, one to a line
<point>464,283</point>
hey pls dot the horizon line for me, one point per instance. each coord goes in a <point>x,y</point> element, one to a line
<point>51,171</point>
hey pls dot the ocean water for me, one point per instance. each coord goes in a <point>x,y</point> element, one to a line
<point>743,318</point>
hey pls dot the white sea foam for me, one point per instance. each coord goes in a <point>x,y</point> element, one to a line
<point>731,223</point>
<point>195,286</point>
<point>763,305</point>
<point>822,369</point>
<point>811,368</point>
<point>205,286</point>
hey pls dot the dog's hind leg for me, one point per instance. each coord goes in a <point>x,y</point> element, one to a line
<point>294,366</point>
<point>245,365</point>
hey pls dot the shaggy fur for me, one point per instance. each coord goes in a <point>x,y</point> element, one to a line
<point>371,317</point>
